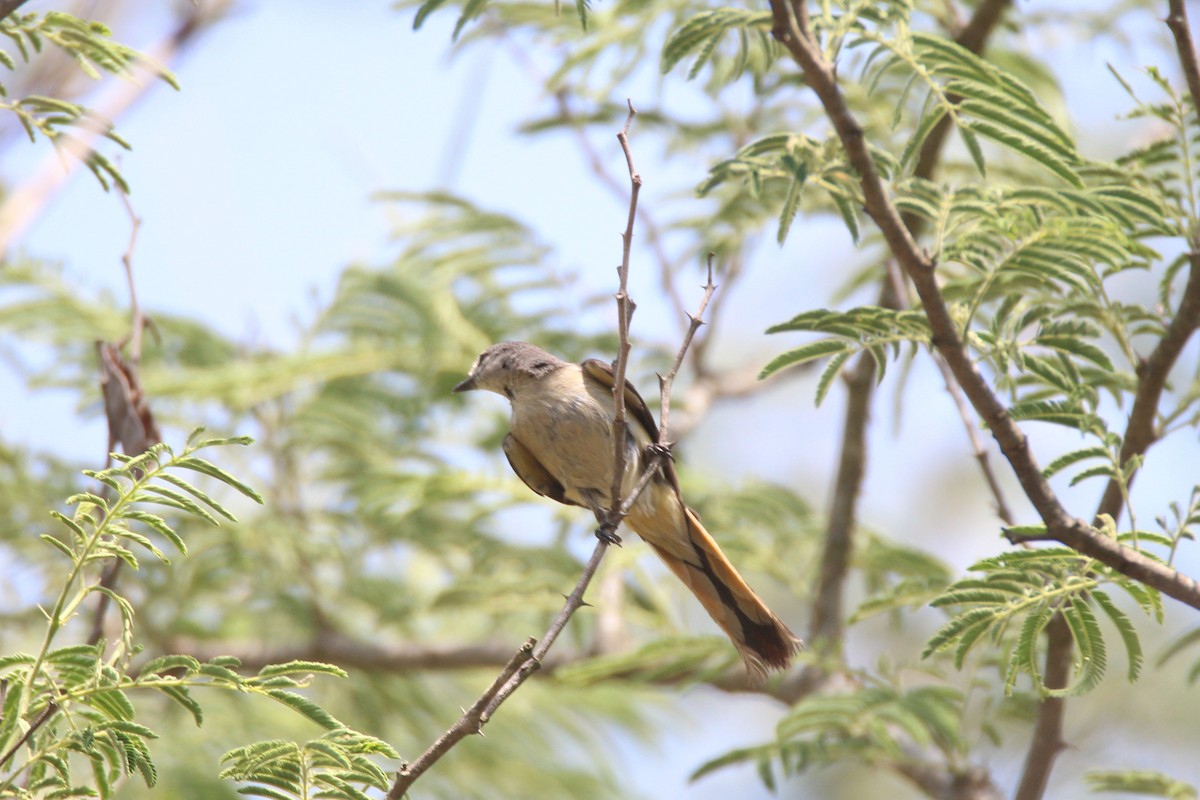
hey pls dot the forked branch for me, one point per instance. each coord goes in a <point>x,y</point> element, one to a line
<point>529,658</point>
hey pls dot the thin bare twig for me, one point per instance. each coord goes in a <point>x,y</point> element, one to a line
<point>665,384</point>
<point>47,712</point>
<point>530,658</point>
<point>575,599</point>
<point>978,447</point>
<point>130,421</point>
<point>649,226</point>
<point>470,722</point>
<point>625,309</point>
<point>138,319</point>
<point>570,606</point>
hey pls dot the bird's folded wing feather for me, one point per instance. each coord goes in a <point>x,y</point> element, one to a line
<point>635,406</point>
<point>530,470</point>
<point>636,410</point>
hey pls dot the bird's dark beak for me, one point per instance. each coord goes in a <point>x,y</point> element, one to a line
<point>466,385</point>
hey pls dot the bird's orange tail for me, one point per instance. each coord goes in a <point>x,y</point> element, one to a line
<point>764,642</point>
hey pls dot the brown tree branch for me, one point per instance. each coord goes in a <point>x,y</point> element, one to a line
<point>625,309</point>
<point>1177,22</point>
<point>1061,527</point>
<point>331,647</point>
<point>919,267</point>
<point>49,711</point>
<point>1140,431</point>
<point>978,448</point>
<point>828,614</point>
<point>470,722</point>
<point>666,384</point>
<point>973,783</point>
<point>9,6</point>
<point>1047,740</point>
<point>828,620</point>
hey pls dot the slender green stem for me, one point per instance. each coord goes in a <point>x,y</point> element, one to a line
<point>68,599</point>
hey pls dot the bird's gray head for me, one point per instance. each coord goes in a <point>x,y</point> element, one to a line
<point>498,366</point>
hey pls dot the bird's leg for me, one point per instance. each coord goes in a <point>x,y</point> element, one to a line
<point>607,532</point>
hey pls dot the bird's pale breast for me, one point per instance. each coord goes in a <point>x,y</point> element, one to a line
<point>567,425</point>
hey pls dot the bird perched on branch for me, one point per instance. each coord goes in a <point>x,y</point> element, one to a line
<point>560,443</point>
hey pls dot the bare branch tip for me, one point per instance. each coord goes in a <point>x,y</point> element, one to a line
<point>623,135</point>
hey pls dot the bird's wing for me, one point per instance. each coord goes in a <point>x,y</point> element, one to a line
<point>531,471</point>
<point>635,406</point>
